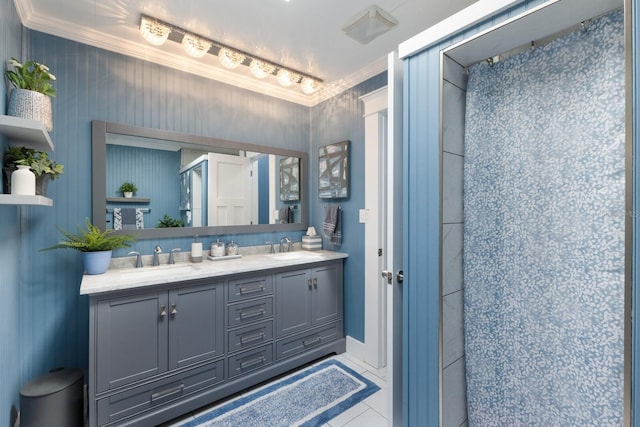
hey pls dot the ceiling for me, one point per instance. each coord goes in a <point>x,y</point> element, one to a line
<point>304,35</point>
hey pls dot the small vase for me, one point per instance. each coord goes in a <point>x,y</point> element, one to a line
<point>30,104</point>
<point>42,183</point>
<point>23,181</point>
<point>96,262</point>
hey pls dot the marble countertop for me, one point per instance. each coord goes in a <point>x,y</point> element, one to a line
<point>117,279</point>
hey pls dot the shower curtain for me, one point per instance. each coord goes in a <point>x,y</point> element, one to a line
<point>544,207</point>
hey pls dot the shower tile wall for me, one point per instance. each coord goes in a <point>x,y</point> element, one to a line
<point>454,404</point>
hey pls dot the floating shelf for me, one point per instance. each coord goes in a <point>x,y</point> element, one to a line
<point>127,200</point>
<point>26,133</point>
<point>14,199</point>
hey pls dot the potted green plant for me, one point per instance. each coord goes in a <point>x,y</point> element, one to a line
<point>167,222</point>
<point>45,168</point>
<point>95,245</point>
<point>127,189</point>
<point>31,96</point>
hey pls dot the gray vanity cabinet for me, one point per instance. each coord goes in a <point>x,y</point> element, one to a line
<point>308,297</point>
<point>158,352</point>
<point>131,339</point>
<point>151,348</point>
<point>196,319</point>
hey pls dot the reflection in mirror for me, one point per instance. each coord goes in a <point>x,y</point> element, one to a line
<point>200,185</point>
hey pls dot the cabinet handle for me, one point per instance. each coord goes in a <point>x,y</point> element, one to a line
<point>256,361</point>
<point>312,342</point>
<point>168,392</point>
<point>174,311</point>
<point>247,339</point>
<point>315,282</point>
<point>245,291</point>
<point>310,282</point>
<point>163,310</point>
<point>249,314</point>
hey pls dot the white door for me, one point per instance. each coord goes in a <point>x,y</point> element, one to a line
<point>375,312</point>
<point>229,190</point>
<point>392,253</point>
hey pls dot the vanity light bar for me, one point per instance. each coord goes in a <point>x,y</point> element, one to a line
<point>230,57</point>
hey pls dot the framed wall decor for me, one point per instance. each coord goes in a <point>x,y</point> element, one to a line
<point>333,171</point>
<point>289,178</point>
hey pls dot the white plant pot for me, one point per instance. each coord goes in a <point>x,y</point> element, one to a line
<point>127,194</point>
<point>23,181</point>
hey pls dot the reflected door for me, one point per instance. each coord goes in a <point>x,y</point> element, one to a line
<point>230,188</point>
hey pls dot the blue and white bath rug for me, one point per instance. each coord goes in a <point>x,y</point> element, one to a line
<point>307,398</point>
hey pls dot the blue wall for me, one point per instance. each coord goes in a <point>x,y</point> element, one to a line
<point>137,165</point>
<point>12,272</point>
<point>335,120</point>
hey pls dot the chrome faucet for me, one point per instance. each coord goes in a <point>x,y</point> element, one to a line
<point>171,258</point>
<point>138,258</point>
<point>156,251</point>
<point>271,249</point>
<point>289,243</point>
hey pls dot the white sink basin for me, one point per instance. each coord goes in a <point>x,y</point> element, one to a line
<point>151,271</point>
<point>295,255</point>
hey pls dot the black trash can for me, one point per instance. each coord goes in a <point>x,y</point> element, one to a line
<point>55,399</point>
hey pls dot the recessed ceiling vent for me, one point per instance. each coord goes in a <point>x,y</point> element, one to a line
<point>370,24</point>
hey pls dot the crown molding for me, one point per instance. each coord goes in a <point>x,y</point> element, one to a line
<point>38,22</point>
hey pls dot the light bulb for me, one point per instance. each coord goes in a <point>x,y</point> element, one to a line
<point>230,58</point>
<point>309,85</point>
<point>286,78</point>
<point>195,46</point>
<point>153,31</point>
<point>260,69</point>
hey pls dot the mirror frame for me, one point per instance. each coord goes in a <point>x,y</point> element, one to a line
<point>99,130</point>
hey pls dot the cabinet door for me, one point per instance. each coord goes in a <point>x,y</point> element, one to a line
<point>131,339</point>
<point>196,324</point>
<point>327,293</point>
<point>293,301</point>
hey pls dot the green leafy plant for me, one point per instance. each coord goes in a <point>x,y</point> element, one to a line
<point>128,187</point>
<point>41,164</point>
<point>38,161</point>
<point>32,76</point>
<point>167,222</point>
<point>92,239</point>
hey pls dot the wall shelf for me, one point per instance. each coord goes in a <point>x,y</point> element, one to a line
<point>26,133</point>
<point>14,199</point>
<point>127,200</point>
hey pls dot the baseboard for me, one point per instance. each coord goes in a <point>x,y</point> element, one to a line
<point>356,348</point>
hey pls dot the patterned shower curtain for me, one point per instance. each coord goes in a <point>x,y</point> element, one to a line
<point>544,206</point>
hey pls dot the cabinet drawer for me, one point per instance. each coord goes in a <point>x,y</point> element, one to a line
<point>250,287</point>
<point>250,336</point>
<point>139,399</point>
<point>250,311</point>
<point>305,341</point>
<point>250,360</point>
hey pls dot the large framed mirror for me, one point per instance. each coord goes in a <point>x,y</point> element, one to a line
<point>187,185</point>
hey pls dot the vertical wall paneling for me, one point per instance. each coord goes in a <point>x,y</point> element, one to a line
<point>10,236</point>
<point>334,120</point>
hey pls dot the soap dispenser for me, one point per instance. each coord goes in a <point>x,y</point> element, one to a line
<point>196,250</point>
<point>217,248</point>
<point>232,249</point>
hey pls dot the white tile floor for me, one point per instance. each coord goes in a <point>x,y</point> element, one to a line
<point>371,412</point>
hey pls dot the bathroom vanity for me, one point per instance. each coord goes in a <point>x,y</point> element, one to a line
<point>168,340</point>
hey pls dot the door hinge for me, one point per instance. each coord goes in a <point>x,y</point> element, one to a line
<point>379,252</point>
